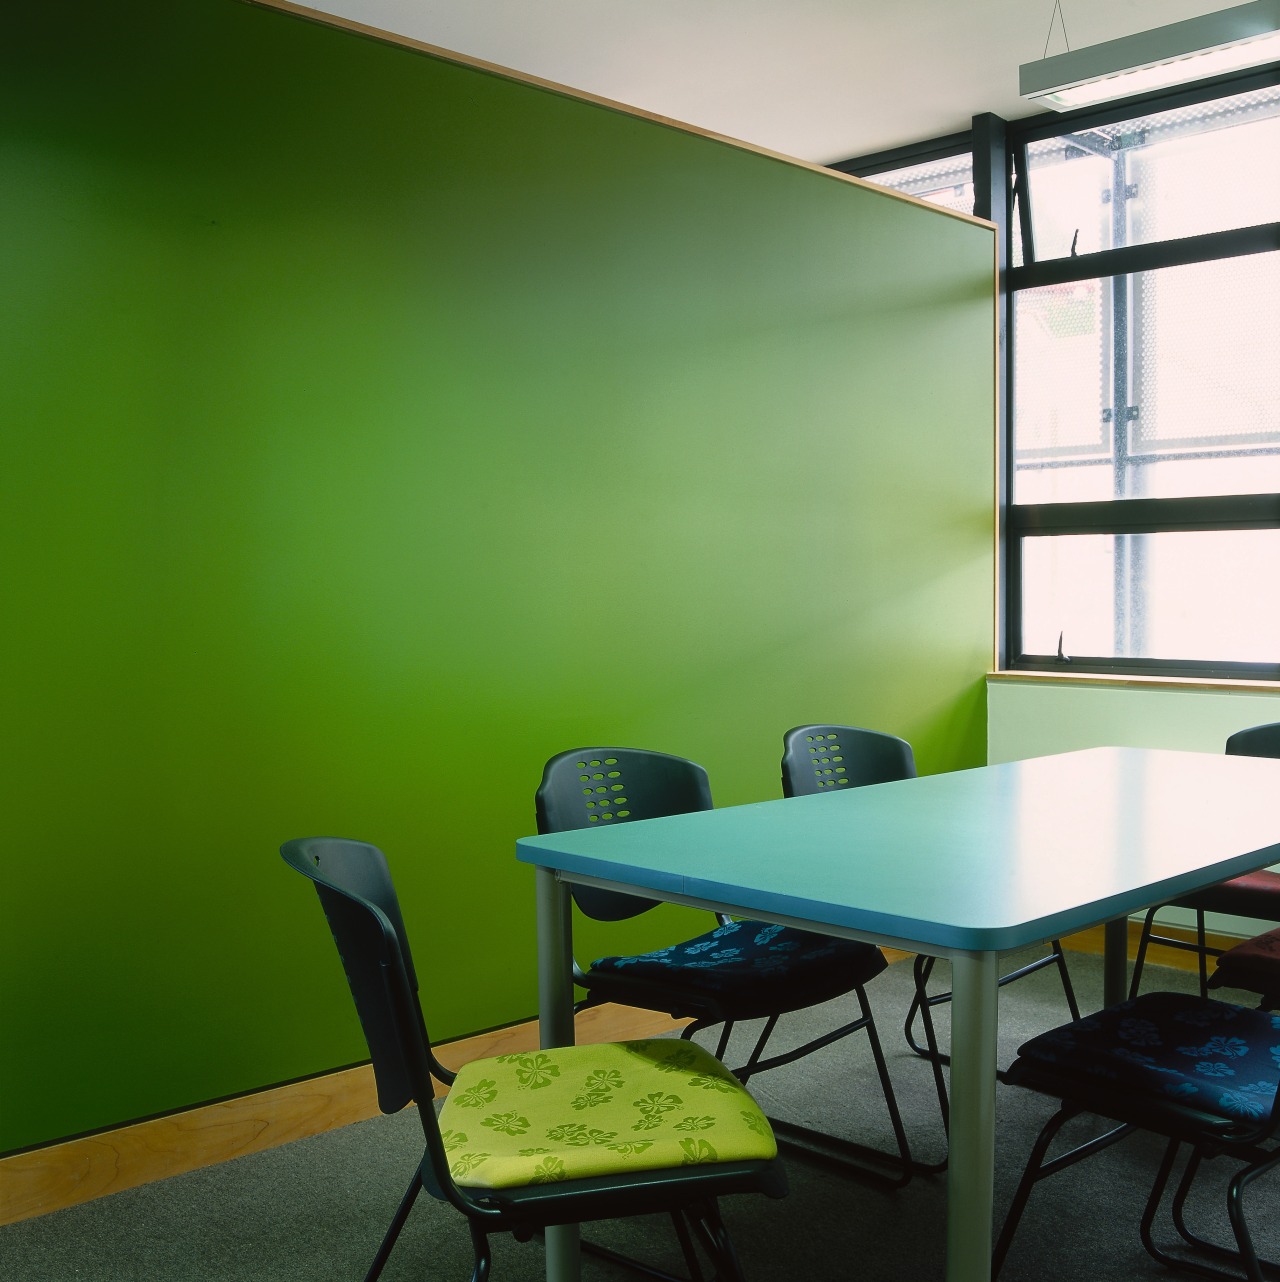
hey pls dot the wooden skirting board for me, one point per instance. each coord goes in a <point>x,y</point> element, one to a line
<point>79,1170</point>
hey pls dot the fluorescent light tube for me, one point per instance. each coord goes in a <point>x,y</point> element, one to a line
<point>1212,45</point>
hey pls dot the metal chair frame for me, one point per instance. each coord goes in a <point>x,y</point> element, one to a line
<point>924,1001</point>
<point>683,787</point>
<point>360,904</point>
<point>1207,1136</point>
<point>1255,741</point>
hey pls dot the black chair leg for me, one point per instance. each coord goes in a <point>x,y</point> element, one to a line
<point>484,1257</point>
<point>860,1159</point>
<point>397,1223</point>
<point>753,1060</point>
<point>922,1003</point>
<point>686,1246</point>
<point>935,1058</point>
<point>1179,1209</point>
<point>1144,940</point>
<point>710,1228</point>
<point>886,1087</point>
<point>1038,1169</point>
<point>1030,1174</point>
<point>1243,1256</point>
<point>1235,1212</point>
<point>1153,1206</point>
<point>1202,952</point>
<point>1201,949</point>
<point>726,1031</point>
<point>1067,987</point>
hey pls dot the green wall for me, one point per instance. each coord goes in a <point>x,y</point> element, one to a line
<point>375,427</point>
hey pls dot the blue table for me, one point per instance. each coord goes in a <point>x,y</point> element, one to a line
<point>963,866</point>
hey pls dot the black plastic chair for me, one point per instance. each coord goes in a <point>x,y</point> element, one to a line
<point>1255,895</point>
<point>1136,1064</point>
<point>1252,966</point>
<point>614,1146</point>
<point>738,971</point>
<point>820,758</point>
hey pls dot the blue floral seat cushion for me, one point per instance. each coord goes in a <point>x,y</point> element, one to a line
<point>751,966</point>
<point>1220,1059</point>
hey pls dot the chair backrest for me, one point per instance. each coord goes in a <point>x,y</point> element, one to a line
<point>1256,741</point>
<point>599,787</point>
<point>825,758</point>
<point>360,904</point>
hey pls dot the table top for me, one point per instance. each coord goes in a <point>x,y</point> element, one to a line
<point>977,860</point>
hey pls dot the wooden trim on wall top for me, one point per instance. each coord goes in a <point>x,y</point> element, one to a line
<point>383,36</point>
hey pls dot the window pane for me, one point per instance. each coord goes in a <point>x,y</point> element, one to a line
<point>1175,596</point>
<point>948,183</point>
<point>1070,197</point>
<point>1171,174</point>
<point>1185,400</point>
<point>1206,378</point>
<point>1062,441</point>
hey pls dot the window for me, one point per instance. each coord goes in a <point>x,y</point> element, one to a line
<point>1143,529</point>
<point>1140,498</point>
<point>948,182</point>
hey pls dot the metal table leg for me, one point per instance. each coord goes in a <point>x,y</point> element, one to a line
<point>971,1171</point>
<point>1115,964</point>
<point>555,1028</point>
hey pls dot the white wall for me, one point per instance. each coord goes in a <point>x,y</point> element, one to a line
<point>1038,718</point>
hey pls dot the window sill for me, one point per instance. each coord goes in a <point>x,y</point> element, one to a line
<point>1135,682</point>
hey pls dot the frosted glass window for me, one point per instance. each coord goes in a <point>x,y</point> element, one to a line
<point>1206,168</point>
<point>1201,596</point>
<point>948,183</point>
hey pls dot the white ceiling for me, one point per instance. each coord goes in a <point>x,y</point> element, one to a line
<point>819,79</point>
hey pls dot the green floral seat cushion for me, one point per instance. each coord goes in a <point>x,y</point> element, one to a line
<point>580,1111</point>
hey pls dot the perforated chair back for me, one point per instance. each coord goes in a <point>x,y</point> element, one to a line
<point>1256,741</point>
<point>826,758</point>
<point>600,787</point>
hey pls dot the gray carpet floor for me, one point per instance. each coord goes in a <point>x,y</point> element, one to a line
<point>316,1209</point>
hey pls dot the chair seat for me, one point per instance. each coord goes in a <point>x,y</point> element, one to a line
<point>582,1111</point>
<point>1253,966</point>
<point>1255,894</point>
<point>748,969</point>
<point>1199,1054</point>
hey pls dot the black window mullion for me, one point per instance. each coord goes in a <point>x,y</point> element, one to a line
<point>1147,516</point>
<point>1022,189</point>
<point>1130,259</point>
<point>1106,665</point>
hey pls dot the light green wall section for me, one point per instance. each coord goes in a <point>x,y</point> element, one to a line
<point>1034,719</point>
<point>375,428</point>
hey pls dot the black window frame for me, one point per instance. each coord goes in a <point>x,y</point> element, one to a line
<point>999,157</point>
